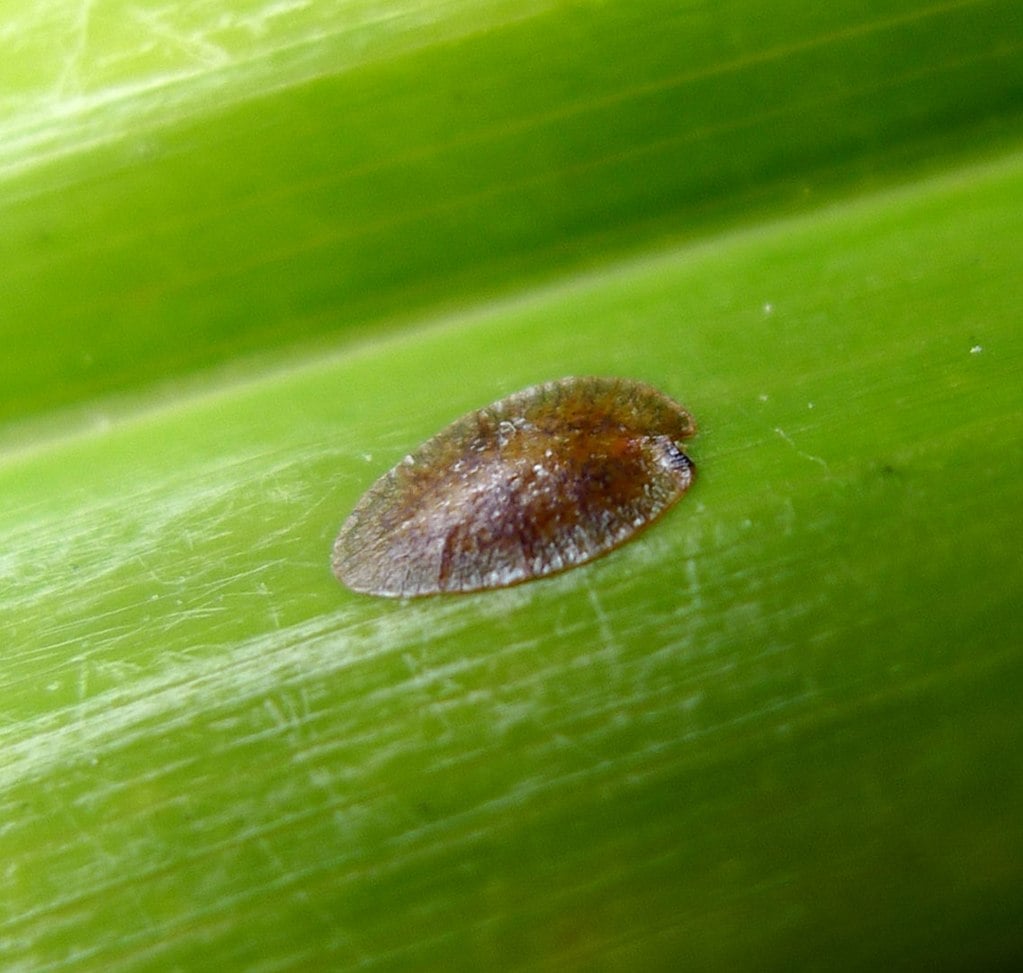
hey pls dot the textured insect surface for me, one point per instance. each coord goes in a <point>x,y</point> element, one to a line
<point>545,479</point>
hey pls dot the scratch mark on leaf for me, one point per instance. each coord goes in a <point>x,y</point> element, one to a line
<point>805,455</point>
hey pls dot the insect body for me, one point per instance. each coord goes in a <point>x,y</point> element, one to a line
<point>545,479</point>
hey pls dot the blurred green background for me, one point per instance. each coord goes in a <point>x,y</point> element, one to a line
<point>168,204</point>
<point>253,253</point>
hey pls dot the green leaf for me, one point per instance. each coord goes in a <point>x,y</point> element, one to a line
<point>780,730</point>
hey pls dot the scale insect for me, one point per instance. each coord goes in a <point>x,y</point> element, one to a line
<point>541,481</point>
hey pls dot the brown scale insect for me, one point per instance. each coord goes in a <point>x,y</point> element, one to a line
<point>545,479</point>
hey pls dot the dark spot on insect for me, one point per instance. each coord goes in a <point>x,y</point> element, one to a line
<point>545,479</point>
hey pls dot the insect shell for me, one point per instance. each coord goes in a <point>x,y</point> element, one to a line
<point>545,479</point>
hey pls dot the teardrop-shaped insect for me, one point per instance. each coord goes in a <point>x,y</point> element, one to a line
<point>545,479</point>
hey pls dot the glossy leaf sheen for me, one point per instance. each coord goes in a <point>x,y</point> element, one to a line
<point>779,733</point>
